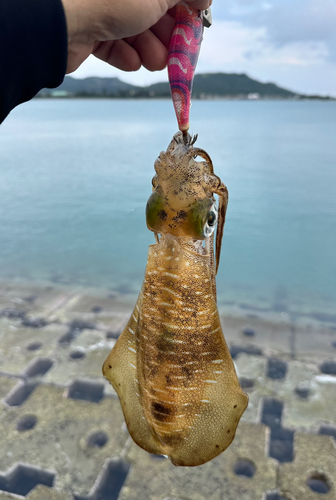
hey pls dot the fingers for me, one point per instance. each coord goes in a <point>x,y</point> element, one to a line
<point>148,49</point>
<point>119,54</point>
<point>133,52</point>
<point>152,52</point>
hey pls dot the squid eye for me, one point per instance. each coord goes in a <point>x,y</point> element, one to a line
<point>211,221</point>
<point>212,218</point>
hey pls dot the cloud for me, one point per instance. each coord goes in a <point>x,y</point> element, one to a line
<point>286,21</point>
<point>232,43</point>
<point>231,46</point>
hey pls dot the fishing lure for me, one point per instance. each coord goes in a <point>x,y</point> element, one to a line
<point>171,367</point>
<point>182,59</point>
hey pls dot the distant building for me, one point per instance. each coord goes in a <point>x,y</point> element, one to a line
<point>60,93</point>
<point>253,96</point>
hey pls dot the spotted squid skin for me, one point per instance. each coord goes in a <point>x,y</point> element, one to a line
<point>182,59</point>
<point>171,366</point>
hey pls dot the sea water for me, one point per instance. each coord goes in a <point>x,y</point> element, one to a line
<point>75,176</point>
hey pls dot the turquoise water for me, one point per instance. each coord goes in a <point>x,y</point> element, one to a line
<point>75,176</point>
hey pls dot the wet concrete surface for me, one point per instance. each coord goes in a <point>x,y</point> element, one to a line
<point>62,431</point>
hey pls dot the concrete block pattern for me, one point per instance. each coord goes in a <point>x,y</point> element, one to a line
<point>82,358</point>
<point>103,312</point>
<point>312,474</point>
<point>19,346</point>
<point>271,336</point>
<point>34,301</point>
<point>309,396</point>
<point>72,437</point>
<point>6,385</point>
<point>63,439</point>
<point>243,471</point>
<point>39,493</point>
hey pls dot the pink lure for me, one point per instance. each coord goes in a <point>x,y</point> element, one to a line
<point>182,59</point>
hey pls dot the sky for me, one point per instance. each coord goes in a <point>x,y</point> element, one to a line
<point>288,42</point>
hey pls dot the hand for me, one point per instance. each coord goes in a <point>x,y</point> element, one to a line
<point>126,34</point>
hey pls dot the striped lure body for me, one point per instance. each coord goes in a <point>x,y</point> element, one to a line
<point>171,366</point>
<point>182,59</point>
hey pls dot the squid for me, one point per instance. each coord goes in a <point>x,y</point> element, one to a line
<point>171,366</point>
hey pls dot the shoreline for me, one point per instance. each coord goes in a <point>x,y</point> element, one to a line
<point>195,98</point>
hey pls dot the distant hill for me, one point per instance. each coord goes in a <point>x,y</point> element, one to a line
<point>210,85</point>
<point>95,85</point>
<point>237,84</point>
<point>228,85</point>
